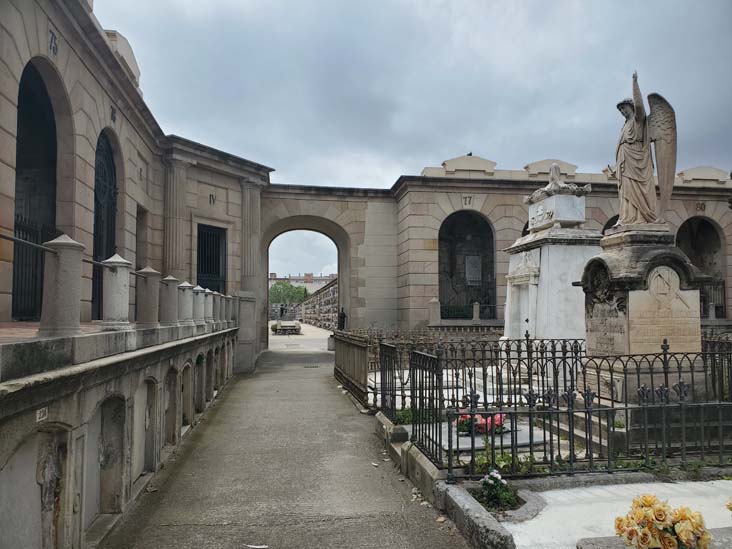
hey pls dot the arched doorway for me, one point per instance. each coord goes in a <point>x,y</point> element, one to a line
<point>466,266</point>
<point>105,215</point>
<point>33,495</point>
<point>701,240</point>
<point>144,420</point>
<point>199,400</point>
<point>335,234</point>
<point>171,407</point>
<point>186,394</point>
<point>209,376</point>
<point>35,190</point>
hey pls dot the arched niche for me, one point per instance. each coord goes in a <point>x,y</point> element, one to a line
<point>701,239</point>
<point>170,407</point>
<point>467,266</point>
<point>44,178</point>
<point>108,173</point>
<point>199,399</point>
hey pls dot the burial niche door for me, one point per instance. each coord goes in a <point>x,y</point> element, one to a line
<point>105,214</point>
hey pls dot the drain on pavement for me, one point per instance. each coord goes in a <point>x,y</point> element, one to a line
<point>311,366</point>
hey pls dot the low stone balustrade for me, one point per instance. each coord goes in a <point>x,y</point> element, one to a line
<point>166,310</point>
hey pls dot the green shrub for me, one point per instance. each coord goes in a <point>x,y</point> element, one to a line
<point>495,494</point>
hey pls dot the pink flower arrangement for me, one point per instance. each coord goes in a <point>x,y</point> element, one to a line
<point>483,424</point>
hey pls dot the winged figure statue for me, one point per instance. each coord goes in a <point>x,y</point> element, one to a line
<point>634,163</point>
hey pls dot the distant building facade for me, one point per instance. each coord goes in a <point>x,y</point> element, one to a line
<point>309,281</point>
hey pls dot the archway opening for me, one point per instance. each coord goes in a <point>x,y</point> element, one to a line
<point>186,395</point>
<point>209,376</point>
<point>703,243</point>
<point>105,214</point>
<point>145,412</point>
<point>171,405</point>
<point>35,190</point>
<point>467,266</point>
<point>199,399</point>
<point>304,286</point>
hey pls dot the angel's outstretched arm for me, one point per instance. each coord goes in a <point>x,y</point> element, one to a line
<point>640,110</point>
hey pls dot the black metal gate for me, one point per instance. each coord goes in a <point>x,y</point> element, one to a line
<point>28,268</point>
<point>105,215</point>
<point>212,258</point>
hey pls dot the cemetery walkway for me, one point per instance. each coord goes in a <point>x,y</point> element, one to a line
<point>283,459</point>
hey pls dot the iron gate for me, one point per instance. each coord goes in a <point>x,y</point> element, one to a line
<point>212,258</point>
<point>105,215</point>
<point>28,268</point>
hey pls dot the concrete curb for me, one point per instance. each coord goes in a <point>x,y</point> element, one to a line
<point>478,526</point>
<point>721,539</point>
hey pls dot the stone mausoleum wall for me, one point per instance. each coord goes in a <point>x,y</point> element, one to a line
<point>321,308</point>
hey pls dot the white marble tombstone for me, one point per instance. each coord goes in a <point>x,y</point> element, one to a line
<point>543,265</point>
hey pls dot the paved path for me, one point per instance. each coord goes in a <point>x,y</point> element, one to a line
<point>283,459</point>
<point>590,512</point>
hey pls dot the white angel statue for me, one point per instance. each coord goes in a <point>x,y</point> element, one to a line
<point>634,164</point>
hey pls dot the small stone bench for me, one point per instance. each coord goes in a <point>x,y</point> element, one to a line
<point>721,539</point>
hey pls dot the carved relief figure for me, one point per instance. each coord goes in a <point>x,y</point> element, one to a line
<point>634,164</point>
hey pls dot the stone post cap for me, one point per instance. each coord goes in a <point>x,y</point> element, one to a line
<point>185,286</point>
<point>198,289</point>
<point>170,279</point>
<point>64,241</point>
<point>434,300</point>
<point>148,272</point>
<point>116,261</point>
<point>208,291</point>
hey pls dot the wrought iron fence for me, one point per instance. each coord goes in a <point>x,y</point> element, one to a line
<point>570,435</point>
<point>389,368</point>
<point>551,396</point>
<point>427,404</point>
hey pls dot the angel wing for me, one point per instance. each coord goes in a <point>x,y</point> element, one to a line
<point>662,132</point>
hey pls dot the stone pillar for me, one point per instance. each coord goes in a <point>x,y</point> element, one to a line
<point>251,235</point>
<point>116,291</point>
<point>61,288</point>
<point>229,308</point>
<point>434,307</point>
<point>199,306</point>
<point>148,298</point>
<point>216,307</point>
<point>476,312</point>
<point>169,301</point>
<point>246,337</point>
<point>208,306</point>
<point>175,218</point>
<point>185,304</point>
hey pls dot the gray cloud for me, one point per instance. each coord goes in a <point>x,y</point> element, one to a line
<point>334,92</point>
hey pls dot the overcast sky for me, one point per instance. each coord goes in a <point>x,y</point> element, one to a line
<point>357,93</point>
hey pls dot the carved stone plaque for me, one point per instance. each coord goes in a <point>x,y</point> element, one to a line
<point>664,311</point>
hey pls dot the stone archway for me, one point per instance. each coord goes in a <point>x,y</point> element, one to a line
<point>467,266</point>
<point>703,242</point>
<point>326,227</point>
<point>171,407</point>
<point>44,178</point>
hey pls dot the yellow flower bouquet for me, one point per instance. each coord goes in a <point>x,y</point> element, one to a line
<point>653,523</point>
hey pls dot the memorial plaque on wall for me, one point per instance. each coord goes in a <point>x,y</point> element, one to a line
<point>473,270</point>
<point>664,311</point>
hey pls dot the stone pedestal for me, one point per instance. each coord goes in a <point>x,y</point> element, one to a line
<point>169,301</point>
<point>199,306</point>
<point>639,291</point>
<point>61,311</point>
<point>185,304</point>
<point>540,297</point>
<point>148,297</point>
<point>208,306</point>
<point>116,292</point>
